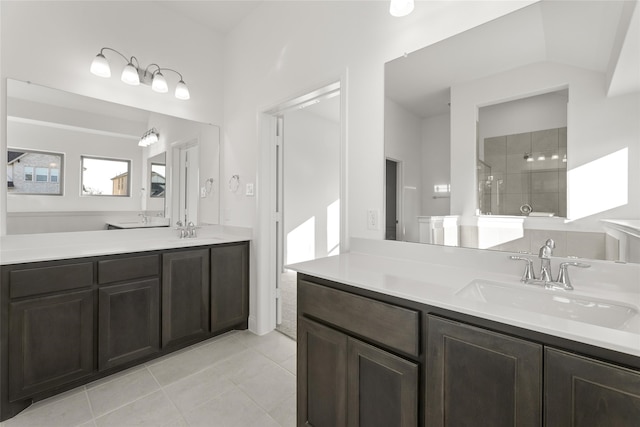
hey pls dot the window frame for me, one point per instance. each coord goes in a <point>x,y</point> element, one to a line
<point>112,159</point>
<point>60,167</point>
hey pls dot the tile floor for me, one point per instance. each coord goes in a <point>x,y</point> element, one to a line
<point>237,379</point>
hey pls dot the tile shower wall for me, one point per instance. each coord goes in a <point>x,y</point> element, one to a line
<point>526,169</point>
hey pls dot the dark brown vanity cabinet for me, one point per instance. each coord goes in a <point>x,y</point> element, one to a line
<point>229,285</point>
<point>349,370</point>
<point>68,322</point>
<point>185,296</point>
<point>128,309</point>
<point>481,378</point>
<point>50,317</point>
<point>580,391</point>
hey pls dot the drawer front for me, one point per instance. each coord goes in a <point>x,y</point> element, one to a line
<point>34,281</point>
<point>117,270</point>
<point>389,325</point>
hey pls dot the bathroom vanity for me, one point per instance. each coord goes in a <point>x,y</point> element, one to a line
<point>399,341</point>
<point>98,303</point>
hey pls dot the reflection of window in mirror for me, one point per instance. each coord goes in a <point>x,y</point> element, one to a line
<point>34,172</point>
<point>105,177</point>
<point>522,155</point>
<point>158,180</point>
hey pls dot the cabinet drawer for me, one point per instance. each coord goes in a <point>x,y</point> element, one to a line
<point>116,270</point>
<point>387,324</point>
<point>34,281</point>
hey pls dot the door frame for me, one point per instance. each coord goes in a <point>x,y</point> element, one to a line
<point>264,319</point>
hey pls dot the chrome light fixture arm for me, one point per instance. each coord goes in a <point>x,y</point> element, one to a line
<point>134,74</point>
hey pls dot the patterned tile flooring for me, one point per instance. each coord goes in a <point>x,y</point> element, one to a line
<point>237,379</point>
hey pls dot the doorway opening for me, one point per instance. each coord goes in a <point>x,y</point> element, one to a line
<point>308,214</point>
<point>393,203</point>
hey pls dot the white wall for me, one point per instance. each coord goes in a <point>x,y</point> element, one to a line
<point>311,183</point>
<point>548,111</point>
<point>598,126</point>
<point>436,155</point>
<point>286,49</point>
<point>52,43</point>
<point>402,136</point>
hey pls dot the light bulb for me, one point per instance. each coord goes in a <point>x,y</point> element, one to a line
<point>100,66</point>
<point>159,84</point>
<point>400,8</point>
<point>182,92</point>
<point>130,75</point>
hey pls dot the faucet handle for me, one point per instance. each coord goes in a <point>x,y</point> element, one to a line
<point>179,223</point>
<point>528,269</point>
<point>563,275</point>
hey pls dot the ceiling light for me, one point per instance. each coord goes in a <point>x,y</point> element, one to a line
<point>133,74</point>
<point>400,8</point>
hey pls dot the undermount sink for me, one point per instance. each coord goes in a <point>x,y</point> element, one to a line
<point>561,304</point>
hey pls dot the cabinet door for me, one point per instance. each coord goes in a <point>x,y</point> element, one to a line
<point>229,286</point>
<point>582,392</point>
<point>480,378</point>
<point>322,376</point>
<point>185,296</point>
<point>50,342</point>
<point>128,322</point>
<point>382,388</point>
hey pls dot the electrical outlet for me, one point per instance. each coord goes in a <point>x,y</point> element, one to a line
<point>373,218</point>
<point>249,189</point>
<point>203,192</point>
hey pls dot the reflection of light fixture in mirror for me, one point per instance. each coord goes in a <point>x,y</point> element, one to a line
<point>564,159</point>
<point>150,137</point>
<point>400,8</point>
<point>528,157</point>
<point>541,157</point>
<point>134,74</point>
<point>554,157</point>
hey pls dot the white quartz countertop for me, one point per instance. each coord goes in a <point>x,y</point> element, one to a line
<point>437,284</point>
<point>23,248</point>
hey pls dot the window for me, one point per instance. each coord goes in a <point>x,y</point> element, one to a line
<point>105,177</point>
<point>34,172</point>
<point>28,173</point>
<point>42,174</point>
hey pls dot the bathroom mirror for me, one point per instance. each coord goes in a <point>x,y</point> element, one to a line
<point>42,119</point>
<point>565,73</point>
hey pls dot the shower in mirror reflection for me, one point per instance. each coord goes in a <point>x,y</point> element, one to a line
<point>522,151</point>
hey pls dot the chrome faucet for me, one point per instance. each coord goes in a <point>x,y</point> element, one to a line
<point>545,254</point>
<point>563,275</point>
<point>182,232</point>
<point>191,229</point>
<point>546,279</point>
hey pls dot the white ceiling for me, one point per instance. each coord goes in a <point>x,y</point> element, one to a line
<point>218,15</point>
<point>577,33</point>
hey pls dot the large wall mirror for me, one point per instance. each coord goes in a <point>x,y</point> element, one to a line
<point>522,129</point>
<point>100,173</point>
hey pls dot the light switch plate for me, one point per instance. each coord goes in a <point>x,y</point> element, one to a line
<point>249,189</point>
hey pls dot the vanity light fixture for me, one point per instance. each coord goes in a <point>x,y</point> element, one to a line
<point>400,8</point>
<point>135,74</point>
<point>150,137</point>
